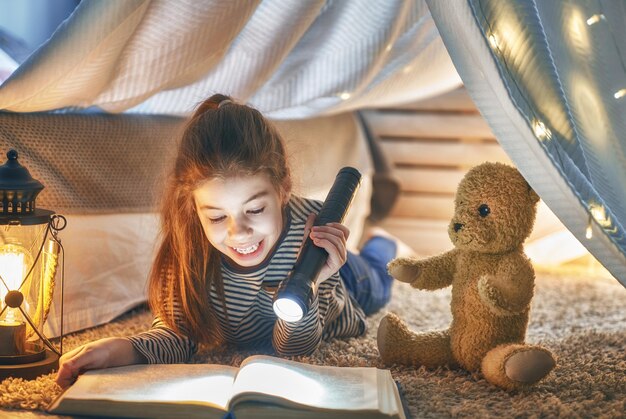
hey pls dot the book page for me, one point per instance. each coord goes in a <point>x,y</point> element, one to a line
<point>348,388</point>
<point>174,383</point>
<point>389,395</point>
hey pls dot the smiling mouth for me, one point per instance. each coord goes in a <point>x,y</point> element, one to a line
<point>247,250</point>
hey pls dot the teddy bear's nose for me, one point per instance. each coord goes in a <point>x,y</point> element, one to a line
<point>457,227</point>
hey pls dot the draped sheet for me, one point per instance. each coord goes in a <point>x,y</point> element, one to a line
<point>288,58</point>
<point>549,78</point>
<point>295,59</point>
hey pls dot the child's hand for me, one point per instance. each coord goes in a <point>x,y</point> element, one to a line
<point>103,353</point>
<point>331,237</point>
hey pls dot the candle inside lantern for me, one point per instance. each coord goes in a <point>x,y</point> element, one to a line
<point>12,338</point>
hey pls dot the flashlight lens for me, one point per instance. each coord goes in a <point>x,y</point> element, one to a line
<point>287,309</point>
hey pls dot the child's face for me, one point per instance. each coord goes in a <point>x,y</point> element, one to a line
<point>241,216</point>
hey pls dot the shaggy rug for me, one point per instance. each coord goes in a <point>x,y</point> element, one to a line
<point>580,318</point>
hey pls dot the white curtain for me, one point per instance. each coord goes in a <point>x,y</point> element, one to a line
<point>306,61</point>
<point>290,59</point>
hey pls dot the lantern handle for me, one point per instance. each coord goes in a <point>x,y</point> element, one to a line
<point>57,223</point>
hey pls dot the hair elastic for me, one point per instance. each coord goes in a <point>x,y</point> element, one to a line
<point>224,102</point>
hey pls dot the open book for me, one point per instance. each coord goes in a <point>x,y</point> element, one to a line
<point>263,387</point>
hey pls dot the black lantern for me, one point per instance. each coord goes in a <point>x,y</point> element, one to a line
<point>29,256</point>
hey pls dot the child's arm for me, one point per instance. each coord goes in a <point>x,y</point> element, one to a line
<point>161,345</point>
<point>303,337</point>
<point>332,237</point>
<point>103,353</point>
<point>332,314</point>
<point>298,338</point>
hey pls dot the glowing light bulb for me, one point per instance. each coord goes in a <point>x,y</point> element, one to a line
<point>595,19</point>
<point>598,212</point>
<point>344,96</point>
<point>541,131</point>
<point>589,231</point>
<point>13,265</point>
<point>288,310</point>
<point>619,94</point>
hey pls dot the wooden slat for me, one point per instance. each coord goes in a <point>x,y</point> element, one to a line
<point>441,207</point>
<point>457,100</point>
<point>431,144</point>
<point>427,125</point>
<point>436,181</point>
<point>434,207</point>
<point>425,237</point>
<point>443,154</point>
<point>430,237</point>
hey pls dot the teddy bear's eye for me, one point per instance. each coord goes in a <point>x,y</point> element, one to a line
<point>484,210</point>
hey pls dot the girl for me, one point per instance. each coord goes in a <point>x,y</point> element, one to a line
<point>231,232</point>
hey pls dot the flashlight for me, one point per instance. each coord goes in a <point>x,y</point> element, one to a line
<point>295,294</point>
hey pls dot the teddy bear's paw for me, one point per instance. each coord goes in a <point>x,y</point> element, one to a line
<point>502,298</point>
<point>530,365</point>
<point>392,332</point>
<point>404,269</point>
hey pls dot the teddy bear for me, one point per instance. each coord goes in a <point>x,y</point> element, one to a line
<point>492,286</point>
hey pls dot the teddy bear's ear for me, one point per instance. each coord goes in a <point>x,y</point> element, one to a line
<point>534,197</point>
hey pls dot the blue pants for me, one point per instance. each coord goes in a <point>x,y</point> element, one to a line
<point>365,275</point>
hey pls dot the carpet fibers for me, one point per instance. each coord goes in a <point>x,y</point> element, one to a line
<point>580,318</point>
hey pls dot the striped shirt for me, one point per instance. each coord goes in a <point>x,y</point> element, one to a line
<point>250,317</point>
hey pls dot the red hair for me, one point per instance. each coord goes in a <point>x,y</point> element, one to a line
<point>221,139</point>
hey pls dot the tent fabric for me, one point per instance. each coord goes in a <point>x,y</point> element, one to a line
<point>303,64</point>
<point>314,62</point>
<point>547,77</point>
<point>288,58</point>
<point>7,65</point>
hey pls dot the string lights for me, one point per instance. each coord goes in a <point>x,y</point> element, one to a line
<point>589,230</point>
<point>493,41</point>
<point>600,17</point>
<point>595,19</point>
<point>541,132</point>
<point>597,213</point>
